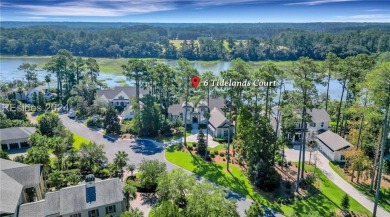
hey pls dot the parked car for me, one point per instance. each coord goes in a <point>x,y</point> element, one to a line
<point>71,114</point>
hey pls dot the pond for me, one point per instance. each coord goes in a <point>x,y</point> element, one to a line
<point>9,71</point>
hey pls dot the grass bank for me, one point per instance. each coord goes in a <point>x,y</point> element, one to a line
<point>384,200</point>
<point>327,199</point>
<point>78,140</point>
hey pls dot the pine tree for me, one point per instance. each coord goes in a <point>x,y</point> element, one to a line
<point>35,101</point>
<point>345,202</point>
<point>202,148</point>
<point>111,121</point>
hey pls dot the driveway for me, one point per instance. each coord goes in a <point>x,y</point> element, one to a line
<point>194,138</point>
<point>323,165</point>
<point>145,149</point>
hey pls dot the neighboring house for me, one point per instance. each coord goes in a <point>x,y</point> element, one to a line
<point>15,137</point>
<point>332,145</point>
<point>88,199</point>
<point>319,123</point>
<point>218,123</point>
<point>19,184</point>
<point>120,97</point>
<point>29,94</point>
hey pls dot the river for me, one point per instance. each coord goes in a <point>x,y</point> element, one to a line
<point>9,71</point>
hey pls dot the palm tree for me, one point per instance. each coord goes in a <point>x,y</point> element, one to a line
<point>130,168</point>
<point>133,213</point>
<point>48,80</point>
<point>120,161</point>
<point>130,191</point>
<point>4,88</point>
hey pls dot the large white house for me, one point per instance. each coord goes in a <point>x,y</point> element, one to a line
<point>120,97</point>
<point>332,145</point>
<point>28,95</point>
<point>218,124</point>
<point>319,123</point>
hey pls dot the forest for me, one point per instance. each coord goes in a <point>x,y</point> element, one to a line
<point>250,42</point>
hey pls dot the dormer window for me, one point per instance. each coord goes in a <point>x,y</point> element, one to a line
<point>322,124</point>
<point>121,97</point>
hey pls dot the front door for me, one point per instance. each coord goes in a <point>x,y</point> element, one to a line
<point>194,119</point>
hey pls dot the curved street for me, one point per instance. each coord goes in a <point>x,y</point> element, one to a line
<point>137,152</point>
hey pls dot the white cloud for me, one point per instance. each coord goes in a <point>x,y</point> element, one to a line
<point>318,2</point>
<point>96,8</point>
<point>364,18</point>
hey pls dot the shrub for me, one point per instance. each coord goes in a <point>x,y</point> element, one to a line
<point>221,154</point>
<point>215,152</point>
<point>212,155</point>
<point>208,158</point>
<point>190,148</point>
<point>194,144</point>
<point>309,179</point>
<point>223,159</point>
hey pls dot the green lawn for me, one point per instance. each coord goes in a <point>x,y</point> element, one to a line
<point>78,140</point>
<point>327,199</point>
<point>384,200</point>
<point>217,148</point>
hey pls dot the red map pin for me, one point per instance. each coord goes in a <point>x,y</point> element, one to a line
<point>195,80</point>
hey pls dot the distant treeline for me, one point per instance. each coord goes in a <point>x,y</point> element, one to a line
<point>198,41</point>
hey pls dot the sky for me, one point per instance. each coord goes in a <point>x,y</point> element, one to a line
<point>196,11</point>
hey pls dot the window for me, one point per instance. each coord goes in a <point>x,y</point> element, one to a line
<point>110,209</point>
<point>322,124</point>
<point>312,124</point>
<point>76,215</point>
<point>93,213</point>
<point>225,132</point>
<point>342,157</point>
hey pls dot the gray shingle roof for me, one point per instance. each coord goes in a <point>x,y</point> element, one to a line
<point>28,176</point>
<point>317,115</point>
<point>72,199</point>
<point>52,203</point>
<point>34,209</point>
<point>14,133</point>
<point>218,102</point>
<point>129,91</point>
<point>333,141</point>
<point>216,117</point>
<point>12,189</point>
<point>14,177</point>
<point>175,109</point>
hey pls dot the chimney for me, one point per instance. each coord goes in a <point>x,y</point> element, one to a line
<point>90,189</point>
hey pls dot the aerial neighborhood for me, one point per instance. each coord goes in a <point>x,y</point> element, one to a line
<point>124,130</point>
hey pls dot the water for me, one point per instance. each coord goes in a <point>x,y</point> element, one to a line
<point>9,71</point>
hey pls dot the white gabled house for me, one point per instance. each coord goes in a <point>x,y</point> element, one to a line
<point>28,95</point>
<point>120,97</point>
<point>319,123</point>
<point>332,145</point>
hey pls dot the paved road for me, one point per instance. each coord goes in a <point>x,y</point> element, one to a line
<point>323,165</point>
<point>146,149</point>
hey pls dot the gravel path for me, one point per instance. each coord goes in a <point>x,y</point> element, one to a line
<point>323,165</point>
